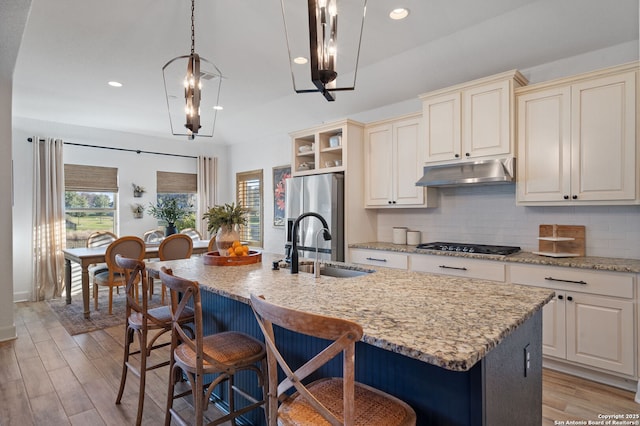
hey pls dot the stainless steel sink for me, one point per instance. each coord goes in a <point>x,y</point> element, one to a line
<point>336,271</point>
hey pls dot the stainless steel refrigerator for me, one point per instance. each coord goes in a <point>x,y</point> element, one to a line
<point>322,194</point>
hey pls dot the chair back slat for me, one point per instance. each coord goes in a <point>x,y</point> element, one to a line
<point>185,293</point>
<point>344,335</point>
<point>134,271</point>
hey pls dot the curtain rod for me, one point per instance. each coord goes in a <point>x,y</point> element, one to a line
<point>137,151</point>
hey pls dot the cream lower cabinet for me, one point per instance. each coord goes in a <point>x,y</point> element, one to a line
<point>387,259</point>
<point>392,152</point>
<point>577,140</point>
<point>591,319</point>
<point>458,266</point>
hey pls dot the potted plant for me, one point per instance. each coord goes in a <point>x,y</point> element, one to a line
<point>170,212</point>
<point>137,190</point>
<point>223,221</point>
<point>138,210</point>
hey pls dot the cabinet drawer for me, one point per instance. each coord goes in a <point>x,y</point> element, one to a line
<point>459,266</point>
<point>570,279</point>
<point>379,258</point>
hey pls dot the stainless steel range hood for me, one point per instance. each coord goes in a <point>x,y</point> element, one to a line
<point>482,172</point>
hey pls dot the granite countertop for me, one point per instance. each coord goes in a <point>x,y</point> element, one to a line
<point>585,262</point>
<point>446,321</point>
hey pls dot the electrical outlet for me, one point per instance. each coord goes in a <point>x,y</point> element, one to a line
<point>527,360</point>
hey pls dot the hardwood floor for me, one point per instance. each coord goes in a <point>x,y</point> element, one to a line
<point>48,377</point>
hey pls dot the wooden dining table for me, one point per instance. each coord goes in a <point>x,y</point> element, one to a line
<point>85,257</point>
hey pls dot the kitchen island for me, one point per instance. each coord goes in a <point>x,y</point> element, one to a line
<point>459,351</point>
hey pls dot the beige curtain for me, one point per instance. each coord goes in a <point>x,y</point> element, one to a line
<point>48,218</point>
<point>207,183</point>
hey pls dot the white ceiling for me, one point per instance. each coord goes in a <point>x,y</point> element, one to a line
<point>72,48</point>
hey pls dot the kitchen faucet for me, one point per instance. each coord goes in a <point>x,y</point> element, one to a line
<point>294,238</point>
<point>316,264</point>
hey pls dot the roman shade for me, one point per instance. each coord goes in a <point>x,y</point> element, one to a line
<point>176,183</point>
<point>90,178</point>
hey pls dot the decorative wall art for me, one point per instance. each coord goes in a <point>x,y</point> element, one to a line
<point>279,175</point>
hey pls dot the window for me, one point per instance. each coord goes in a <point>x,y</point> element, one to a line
<point>249,195</point>
<point>90,201</point>
<point>184,188</point>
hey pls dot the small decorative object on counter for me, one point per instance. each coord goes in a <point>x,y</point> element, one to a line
<point>413,238</point>
<point>138,190</point>
<point>399,235</point>
<point>223,221</point>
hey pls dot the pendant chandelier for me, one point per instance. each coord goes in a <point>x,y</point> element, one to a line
<point>333,56</point>
<point>192,96</point>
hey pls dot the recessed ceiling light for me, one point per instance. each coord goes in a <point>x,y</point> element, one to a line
<point>399,13</point>
<point>300,60</point>
<point>218,107</point>
<point>115,84</point>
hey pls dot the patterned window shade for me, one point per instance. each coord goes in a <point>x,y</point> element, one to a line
<point>90,178</point>
<point>249,195</point>
<point>176,183</point>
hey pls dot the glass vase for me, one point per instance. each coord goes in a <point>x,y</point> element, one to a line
<point>225,237</point>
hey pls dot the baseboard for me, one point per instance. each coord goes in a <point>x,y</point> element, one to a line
<point>589,374</point>
<point>22,296</point>
<point>8,333</point>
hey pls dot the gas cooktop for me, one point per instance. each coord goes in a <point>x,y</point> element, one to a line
<point>470,248</point>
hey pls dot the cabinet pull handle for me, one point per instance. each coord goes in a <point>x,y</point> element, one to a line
<point>376,260</point>
<point>570,299</point>
<point>452,267</point>
<point>566,197</point>
<point>560,297</point>
<point>565,281</point>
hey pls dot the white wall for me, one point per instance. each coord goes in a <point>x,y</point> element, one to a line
<point>132,168</point>
<point>13,17</point>
<point>264,154</point>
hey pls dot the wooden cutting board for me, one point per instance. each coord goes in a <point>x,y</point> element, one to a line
<point>561,240</point>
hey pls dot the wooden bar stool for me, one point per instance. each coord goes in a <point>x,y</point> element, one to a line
<point>224,354</point>
<point>147,324</point>
<point>335,400</point>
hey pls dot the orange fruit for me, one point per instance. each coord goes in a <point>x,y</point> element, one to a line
<point>232,254</point>
<point>236,243</point>
<point>246,249</point>
<point>239,251</point>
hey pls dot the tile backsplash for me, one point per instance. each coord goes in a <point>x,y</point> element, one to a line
<point>489,215</point>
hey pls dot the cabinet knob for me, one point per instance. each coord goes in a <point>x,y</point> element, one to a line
<point>575,197</point>
<point>394,202</point>
<point>569,298</point>
<point>566,197</point>
<point>467,154</point>
<point>457,155</point>
<point>389,202</point>
<point>560,297</point>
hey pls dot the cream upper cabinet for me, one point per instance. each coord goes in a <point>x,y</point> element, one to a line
<point>472,120</point>
<point>577,140</point>
<point>392,152</point>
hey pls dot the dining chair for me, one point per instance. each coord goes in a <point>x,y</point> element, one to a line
<point>193,233</point>
<point>223,354</point>
<point>129,246</point>
<point>153,236</point>
<point>99,239</point>
<point>176,246</point>
<point>333,400</point>
<point>148,325</point>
